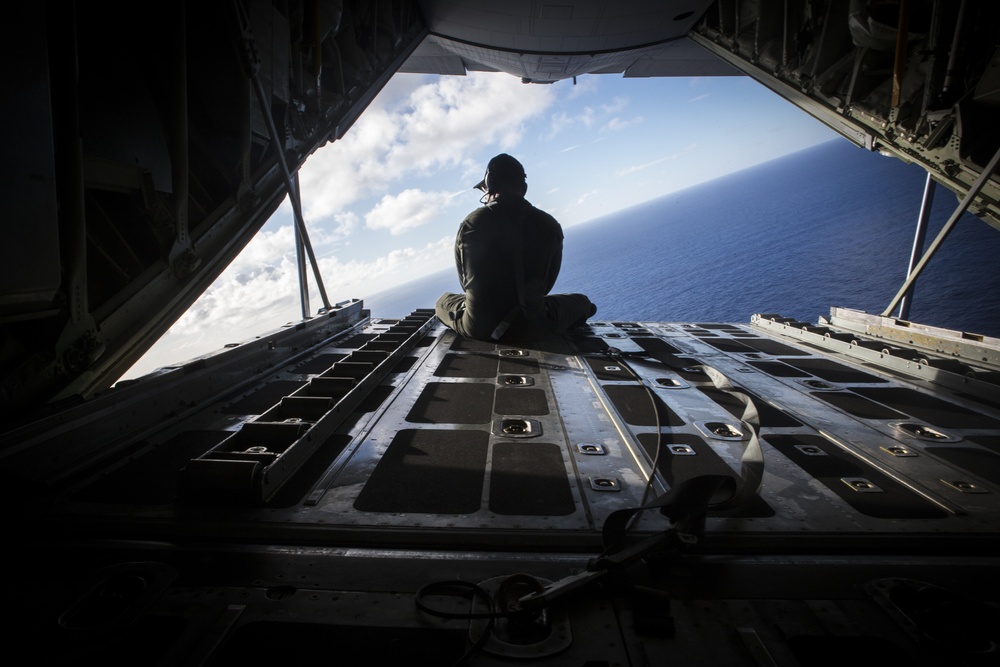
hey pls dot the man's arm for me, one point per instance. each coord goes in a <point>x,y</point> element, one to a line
<point>555,257</point>
<point>466,252</point>
<point>460,256</point>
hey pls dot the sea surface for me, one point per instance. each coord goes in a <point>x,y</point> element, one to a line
<point>831,225</point>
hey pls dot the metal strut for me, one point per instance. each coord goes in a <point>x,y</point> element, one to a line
<point>253,65</point>
<point>300,262</point>
<point>943,234</point>
<point>918,243</point>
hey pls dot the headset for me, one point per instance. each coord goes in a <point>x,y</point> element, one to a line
<point>489,186</point>
<point>491,182</point>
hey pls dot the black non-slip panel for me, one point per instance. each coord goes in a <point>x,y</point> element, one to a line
<point>720,327</point>
<point>518,366</point>
<point>461,344</point>
<point>928,408</point>
<point>990,442</point>
<point>769,415</point>
<point>978,462</point>
<point>521,401</point>
<point>778,369</point>
<point>151,479</point>
<point>656,345</point>
<point>318,364</point>
<point>857,405</point>
<point>427,471</point>
<point>894,501</point>
<point>263,398</point>
<point>774,348</point>
<point>831,371</point>
<point>375,398</point>
<point>635,405</point>
<point>589,344</point>
<point>453,403</point>
<point>467,366</point>
<point>529,478</point>
<point>607,368</point>
<point>678,467</point>
<point>728,345</point>
<point>404,365</point>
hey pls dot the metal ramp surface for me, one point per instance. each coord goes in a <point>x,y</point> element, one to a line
<point>309,483</point>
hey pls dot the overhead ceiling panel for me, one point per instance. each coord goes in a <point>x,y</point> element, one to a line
<point>542,42</point>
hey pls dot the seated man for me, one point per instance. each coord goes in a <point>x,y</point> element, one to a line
<point>508,255</point>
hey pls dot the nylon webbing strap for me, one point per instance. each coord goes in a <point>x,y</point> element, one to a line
<point>716,492</point>
<point>752,461</point>
<point>685,504</point>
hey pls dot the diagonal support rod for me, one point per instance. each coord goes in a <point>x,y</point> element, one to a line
<point>300,262</point>
<point>293,193</point>
<point>265,110</point>
<point>918,242</point>
<point>943,234</point>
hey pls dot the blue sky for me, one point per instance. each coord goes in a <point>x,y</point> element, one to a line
<point>382,205</point>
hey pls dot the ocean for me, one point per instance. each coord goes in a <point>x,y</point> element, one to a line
<point>831,225</point>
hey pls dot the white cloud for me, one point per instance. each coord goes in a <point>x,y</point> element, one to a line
<point>584,85</point>
<point>358,278</point>
<point>617,105</point>
<point>260,289</point>
<point>345,223</point>
<point>562,121</point>
<point>699,98</point>
<point>437,125</point>
<point>407,210</point>
<point>616,124</point>
<point>589,116</point>
<point>266,249</point>
<point>259,293</point>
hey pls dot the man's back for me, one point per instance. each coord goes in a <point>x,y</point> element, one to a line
<point>508,254</point>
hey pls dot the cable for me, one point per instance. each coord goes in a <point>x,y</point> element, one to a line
<point>617,355</point>
<point>441,588</point>
<point>737,493</point>
<point>659,432</point>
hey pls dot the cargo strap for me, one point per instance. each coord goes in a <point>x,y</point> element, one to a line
<point>725,495</point>
<point>752,461</point>
<point>685,504</point>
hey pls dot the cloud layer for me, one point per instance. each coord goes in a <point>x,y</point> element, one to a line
<point>418,127</point>
<point>382,204</point>
<point>409,209</point>
<point>438,125</point>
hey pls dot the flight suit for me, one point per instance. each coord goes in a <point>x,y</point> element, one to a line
<point>508,254</point>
